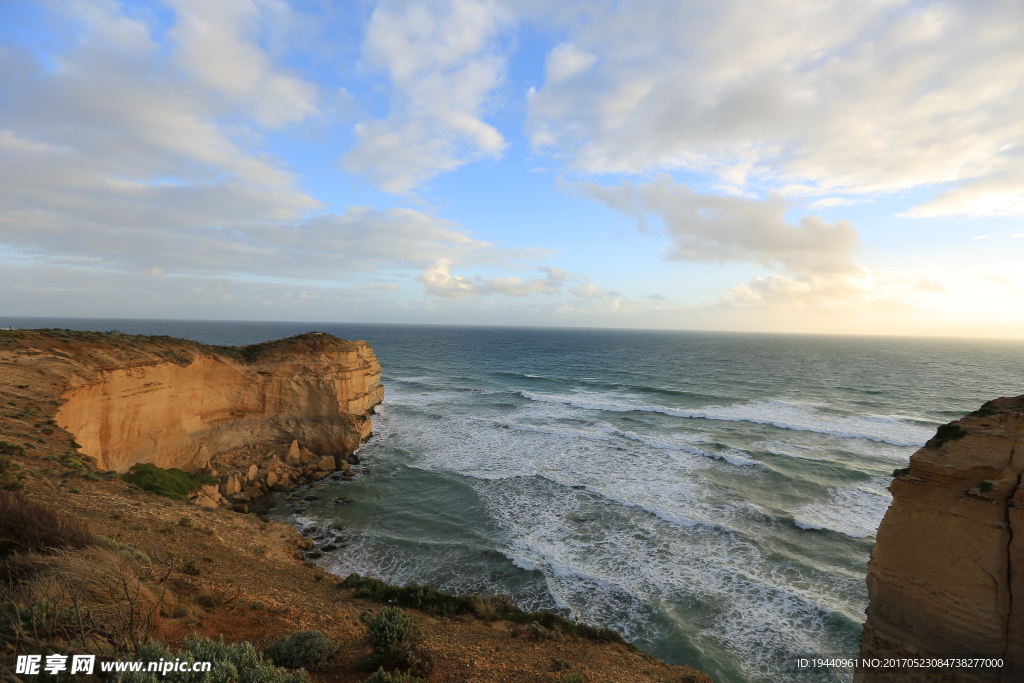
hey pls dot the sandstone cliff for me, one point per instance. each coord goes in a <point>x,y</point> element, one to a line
<point>946,575</point>
<point>258,417</point>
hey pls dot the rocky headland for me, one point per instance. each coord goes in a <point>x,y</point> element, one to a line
<point>259,418</point>
<point>79,409</point>
<point>947,571</point>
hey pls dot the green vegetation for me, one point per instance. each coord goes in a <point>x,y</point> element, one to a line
<point>538,632</point>
<point>575,677</point>
<point>123,550</point>
<point>382,676</point>
<point>394,636</point>
<point>948,432</point>
<point>388,629</point>
<point>488,608</point>
<point>8,448</point>
<point>172,483</point>
<point>192,568</point>
<point>234,663</point>
<point>310,650</point>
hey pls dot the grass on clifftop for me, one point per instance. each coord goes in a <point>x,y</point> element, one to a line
<point>487,608</point>
<point>172,483</point>
<point>171,347</point>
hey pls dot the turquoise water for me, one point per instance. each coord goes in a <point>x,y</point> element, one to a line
<point>713,497</point>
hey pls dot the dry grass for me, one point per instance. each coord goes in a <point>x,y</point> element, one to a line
<point>93,597</point>
<point>27,526</point>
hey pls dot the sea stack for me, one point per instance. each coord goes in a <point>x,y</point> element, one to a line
<point>945,575</point>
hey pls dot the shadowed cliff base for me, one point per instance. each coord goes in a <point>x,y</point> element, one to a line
<point>945,576</point>
<point>210,570</point>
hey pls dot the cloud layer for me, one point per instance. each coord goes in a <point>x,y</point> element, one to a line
<point>714,228</point>
<point>442,62</point>
<point>809,98</point>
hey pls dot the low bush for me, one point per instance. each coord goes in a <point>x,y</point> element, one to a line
<point>387,629</point>
<point>382,676</point>
<point>410,658</point>
<point>29,526</point>
<point>310,650</point>
<point>490,608</point>
<point>8,448</point>
<point>538,632</point>
<point>948,432</point>
<point>172,483</point>
<point>575,677</point>
<point>234,663</point>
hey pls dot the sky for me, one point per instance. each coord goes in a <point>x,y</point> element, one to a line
<point>745,165</point>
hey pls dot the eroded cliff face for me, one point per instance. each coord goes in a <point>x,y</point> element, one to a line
<point>273,414</point>
<point>945,575</point>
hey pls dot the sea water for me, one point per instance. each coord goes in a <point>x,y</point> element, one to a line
<point>713,497</point>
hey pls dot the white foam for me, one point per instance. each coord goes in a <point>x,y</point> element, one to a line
<point>662,532</point>
<point>853,512</point>
<point>778,413</point>
<point>632,561</point>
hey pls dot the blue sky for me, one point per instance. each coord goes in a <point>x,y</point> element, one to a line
<point>767,166</point>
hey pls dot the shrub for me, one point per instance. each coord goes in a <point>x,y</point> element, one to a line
<point>192,568</point>
<point>537,631</point>
<point>382,676</point>
<point>172,483</point>
<point>490,608</point>
<point>387,629</point>
<point>575,677</point>
<point>234,663</point>
<point>310,650</point>
<point>948,432</point>
<point>8,448</point>
<point>412,659</point>
<point>26,526</point>
<point>123,550</point>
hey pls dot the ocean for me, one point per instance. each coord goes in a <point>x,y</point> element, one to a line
<point>711,496</point>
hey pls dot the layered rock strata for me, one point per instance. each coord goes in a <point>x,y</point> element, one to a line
<point>268,416</point>
<point>945,575</point>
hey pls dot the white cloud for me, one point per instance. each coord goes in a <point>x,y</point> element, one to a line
<point>713,228</point>
<point>114,156</point>
<point>929,286</point>
<point>443,64</point>
<point>811,98</point>
<point>437,280</point>
<point>218,45</point>
<point>830,202</point>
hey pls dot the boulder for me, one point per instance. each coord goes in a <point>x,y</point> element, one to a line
<point>294,455</point>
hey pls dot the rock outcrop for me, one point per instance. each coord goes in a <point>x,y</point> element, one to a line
<point>947,571</point>
<point>267,416</point>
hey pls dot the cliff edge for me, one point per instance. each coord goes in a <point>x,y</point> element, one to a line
<point>945,575</point>
<point>260,417</point>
